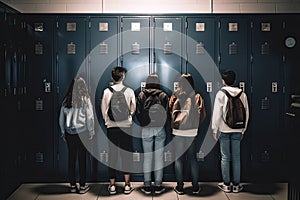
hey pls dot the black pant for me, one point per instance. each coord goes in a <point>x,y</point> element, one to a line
<point>120,140</point>
<point>76,148</point>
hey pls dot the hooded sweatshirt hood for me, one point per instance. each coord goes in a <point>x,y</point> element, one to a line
<point>233,91</point>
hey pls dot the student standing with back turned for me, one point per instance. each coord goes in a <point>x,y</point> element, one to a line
<point>229,138</point>
<point>187,111</point>
<point>151,112</point>
<point>118,120</point>
<point>76,122</point>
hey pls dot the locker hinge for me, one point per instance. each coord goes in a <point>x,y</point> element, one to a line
<point>186,25</point>
<point>283,89</point>
<point>283,58</point>
<point>219,25</point>
<point>89,59</point>
<point>251,89</point>
<point>219,58</point>
<point>90,24</point>
<point>251,25</point>
<point>121,24</point>
<point>57,24</point>
<point>251,59</point>
<point>283,25</point>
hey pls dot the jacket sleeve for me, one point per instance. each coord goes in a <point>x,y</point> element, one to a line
<point>104,106</point>
<point>201,107</point>
<point>61,121</point>
<point>90,118</point>
<point>217,112</point>
<point>171,103</point>
<point>140,113</point>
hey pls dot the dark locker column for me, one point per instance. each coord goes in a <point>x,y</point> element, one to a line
<point>104,37</point>
<point>168,56</point>
<point>40,143</point>
<point>234,53</point>
<point>291,47</point>
<point>200,48</point>
<point>267,98</point>
<point>135,57</point>
<point>71,62</point>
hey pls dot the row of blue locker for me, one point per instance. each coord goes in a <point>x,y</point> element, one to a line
<point>40,61</point>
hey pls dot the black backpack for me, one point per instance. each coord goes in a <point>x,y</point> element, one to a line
<point>118,109</point>
<point>236,113</point>
<point>185,113</point>
<point>155,112</point>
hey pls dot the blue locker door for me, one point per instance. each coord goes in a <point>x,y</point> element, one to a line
<point>135,55</point>
<point>200,48</point>
<point>104,37</point>
<point>267,94</point>
<point>71,62</point>
<point>168,52</point>
<point>234,49</point>
<point>44,119</point>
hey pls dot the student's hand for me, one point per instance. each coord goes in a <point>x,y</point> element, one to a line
<point>215,136</point>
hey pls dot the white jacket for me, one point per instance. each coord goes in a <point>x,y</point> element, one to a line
<point>219,111</point>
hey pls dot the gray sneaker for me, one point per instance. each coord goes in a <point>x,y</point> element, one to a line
<point>112,189</point>
<point>225,188</point>
<point>128,189</point>
<point>237,188</point>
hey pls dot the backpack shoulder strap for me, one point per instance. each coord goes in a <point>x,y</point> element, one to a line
<point>111,89</point>
<point>123,89</point>
<point>239,94</point>
<point>226,92</point>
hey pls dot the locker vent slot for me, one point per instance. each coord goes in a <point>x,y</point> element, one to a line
<point>265,104</point>
<point>200,27</point>
<point>232,48</point>
<point>168,48</point>
<point>135,48</point>
<point>38,50</point>
<point>103,48</point>
<point>39,157</point>
<point>71,49</point>
<point>265,49</point>
<point>168,156</point>
<point>265,156</point>
<point>103,26</point>
<point>200,48</point>
<point>71,26</point>
<point>38,27</point>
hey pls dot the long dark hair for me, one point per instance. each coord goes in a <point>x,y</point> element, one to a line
<point>77,93</point>
<point>186,83</point>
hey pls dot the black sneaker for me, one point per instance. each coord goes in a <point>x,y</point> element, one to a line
<point>196,190</point>
<point>146,189</point>
<point>237,188</point>
<point>128,189</point>
<point>178,190</point>
<point>159,189</point>
<point>84,189</point>
<point>73,188</point>
<point>112,189</point>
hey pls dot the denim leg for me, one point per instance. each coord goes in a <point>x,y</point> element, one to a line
<point>178,149</point>
<point>193,162</point>
<point>160,137</point>
<point>225,156</point>
<point>236,161</point>
<point>147,139</point>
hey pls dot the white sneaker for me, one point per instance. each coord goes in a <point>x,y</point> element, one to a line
<point>225,188</point>
<point>128,189</point>
<point>112,189</point>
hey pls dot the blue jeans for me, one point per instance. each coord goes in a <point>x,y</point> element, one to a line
<point>153,136</point>
<point>186,146</point>
<point>230,154</point>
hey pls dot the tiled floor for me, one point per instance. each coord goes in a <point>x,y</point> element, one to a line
<point>56,191</point>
